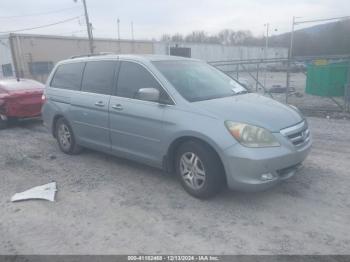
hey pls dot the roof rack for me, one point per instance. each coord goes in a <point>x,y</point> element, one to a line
<point>91,55</point>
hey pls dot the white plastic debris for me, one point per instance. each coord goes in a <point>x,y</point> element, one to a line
<point>46,192</point>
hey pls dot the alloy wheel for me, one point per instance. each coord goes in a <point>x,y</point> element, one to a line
<point>192,170</point>
<point>64,136</point>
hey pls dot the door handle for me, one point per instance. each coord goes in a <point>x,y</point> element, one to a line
<point>99,103</point>
<point>117,107</point>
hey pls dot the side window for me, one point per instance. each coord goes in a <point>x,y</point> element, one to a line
<point>132,77</point>
<point>68,76</point>
<point>99,77</point>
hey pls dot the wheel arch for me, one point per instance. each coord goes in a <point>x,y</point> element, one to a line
<point>176,143</point>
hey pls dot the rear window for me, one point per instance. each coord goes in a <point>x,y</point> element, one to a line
<point>68,76</point>
<point>99,77</point>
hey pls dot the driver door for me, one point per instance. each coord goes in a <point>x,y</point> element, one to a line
<point>136,125</point>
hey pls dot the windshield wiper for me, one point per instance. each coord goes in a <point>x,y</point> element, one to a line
<point>241,92</point>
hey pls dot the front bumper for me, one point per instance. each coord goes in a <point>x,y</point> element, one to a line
<point>256,169</point>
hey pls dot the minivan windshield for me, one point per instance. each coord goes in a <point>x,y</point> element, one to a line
<point>197,81</point>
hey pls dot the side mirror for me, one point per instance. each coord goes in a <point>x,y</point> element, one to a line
<point>148,94</point>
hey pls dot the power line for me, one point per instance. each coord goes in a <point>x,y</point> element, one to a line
<point>41,26</point>
<point>38,14</point>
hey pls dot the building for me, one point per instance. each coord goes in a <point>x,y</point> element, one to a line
<point>217,52</point>
<point>33,56</point>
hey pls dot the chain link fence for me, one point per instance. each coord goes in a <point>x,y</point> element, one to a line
<point>285,80</point>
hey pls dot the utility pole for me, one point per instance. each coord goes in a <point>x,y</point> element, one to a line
<point>118,21</point>
<point>347,92</point>
<point>132,31</point>
<point>132,36</point>
<point>89,28</point>
<point>290,54</point>
<point>14,58</point>
<point>118,28</point>
<point>266,50</point>
<point>292,39</point>
<point>267,39</point>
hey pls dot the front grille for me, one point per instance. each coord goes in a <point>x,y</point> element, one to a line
<point>298,135</point>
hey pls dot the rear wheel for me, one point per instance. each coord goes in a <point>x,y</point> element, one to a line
<point>199,169</point>
<point>65,138</point>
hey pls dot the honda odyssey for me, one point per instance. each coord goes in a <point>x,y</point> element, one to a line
<point>179,114</point>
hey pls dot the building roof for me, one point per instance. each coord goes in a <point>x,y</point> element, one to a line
<point>72,38</point>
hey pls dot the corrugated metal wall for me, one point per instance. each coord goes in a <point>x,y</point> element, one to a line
<point>35,49</point>
<point>214,52</point>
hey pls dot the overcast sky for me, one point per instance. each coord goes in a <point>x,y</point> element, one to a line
<point>152,18</point>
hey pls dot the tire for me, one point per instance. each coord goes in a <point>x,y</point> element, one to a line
<point>199,169</point>
<point>65,138</point>
<point>3,123</point>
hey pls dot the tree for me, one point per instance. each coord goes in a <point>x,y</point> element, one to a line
<point>177,38</point>
<point>165,38</point>
<point>326,39</point>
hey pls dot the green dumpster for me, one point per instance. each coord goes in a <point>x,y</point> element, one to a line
<point>327,80</point>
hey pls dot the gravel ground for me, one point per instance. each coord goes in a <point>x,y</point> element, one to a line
<point>106,205</point>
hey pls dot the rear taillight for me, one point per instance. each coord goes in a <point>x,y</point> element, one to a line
<point>43,98</point>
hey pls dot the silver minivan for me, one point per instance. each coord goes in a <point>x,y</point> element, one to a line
<point>178,114</point>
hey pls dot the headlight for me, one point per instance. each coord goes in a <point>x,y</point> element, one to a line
<point>251,136</point>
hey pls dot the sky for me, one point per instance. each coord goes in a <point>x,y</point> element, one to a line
<point>153,18</point>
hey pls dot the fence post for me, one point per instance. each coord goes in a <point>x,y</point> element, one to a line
<point>288,79</point>
<point>257,76</point>
<point>347,92</point>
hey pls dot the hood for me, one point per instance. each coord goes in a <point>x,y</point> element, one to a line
<point>252,109</point>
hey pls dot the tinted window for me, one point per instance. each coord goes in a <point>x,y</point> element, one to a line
<point>68,76</point>
<point>132,77</point>
<point>99,77</point>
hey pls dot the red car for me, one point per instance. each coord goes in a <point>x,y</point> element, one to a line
<point>19,99</point>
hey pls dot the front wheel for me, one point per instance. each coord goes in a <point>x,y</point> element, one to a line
<point>199,170</point>
<point>65,138</point>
